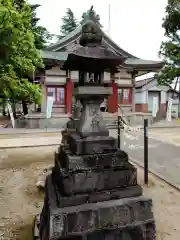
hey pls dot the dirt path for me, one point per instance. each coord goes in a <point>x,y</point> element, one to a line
<point>166,203</point>
<point>20,200</point>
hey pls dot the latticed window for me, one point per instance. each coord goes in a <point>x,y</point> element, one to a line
<point>124,96</point>
<point>120,95</point>
<point>58,94</point>
<point>51,91</point>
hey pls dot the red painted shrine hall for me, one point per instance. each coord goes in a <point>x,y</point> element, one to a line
<point>59,83</point>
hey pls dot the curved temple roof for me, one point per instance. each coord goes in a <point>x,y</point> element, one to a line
<point>57,51</point>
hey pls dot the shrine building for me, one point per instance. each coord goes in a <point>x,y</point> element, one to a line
<point>59,83</point>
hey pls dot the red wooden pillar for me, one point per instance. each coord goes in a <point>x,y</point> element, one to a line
<point>130,96</point>
<point>68,95</point>
<point>113,99</point>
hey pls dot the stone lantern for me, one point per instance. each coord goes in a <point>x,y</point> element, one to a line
<point>92,192</point>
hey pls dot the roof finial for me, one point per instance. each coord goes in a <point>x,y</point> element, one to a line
<point>91,15</point>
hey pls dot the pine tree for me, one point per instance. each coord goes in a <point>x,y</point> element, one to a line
<point>41,35</point>
<point>69,23</point>
<point>170,49</point>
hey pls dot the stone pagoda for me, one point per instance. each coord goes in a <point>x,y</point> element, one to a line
<point>92,192</point>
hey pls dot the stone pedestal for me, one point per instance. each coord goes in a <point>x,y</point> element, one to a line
<point>91,121</point>
<point>92,192</point>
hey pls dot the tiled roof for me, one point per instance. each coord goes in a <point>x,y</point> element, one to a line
<point>141,83</point>
<point>138,61</point>
<point>60,43</point>
<point>75,33</point>
<point>133,62</point>
<point>59,56</point>
<point>65,39</point>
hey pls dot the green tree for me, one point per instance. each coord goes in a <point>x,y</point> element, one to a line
<point>170,48</point>
<point>41,34</point>
<point>69,23</point>
<point>18,53</point>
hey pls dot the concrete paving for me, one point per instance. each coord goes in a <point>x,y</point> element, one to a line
<point>169,124</point>
<point>164,158</point>
<point>4,131</point>
<point>33,141</point>
<point>166,135</point>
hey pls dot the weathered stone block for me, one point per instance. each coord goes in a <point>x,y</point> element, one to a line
<point>65,159</point>
<point>84,162</point>
<point>146,231</point>
<point>90,145</point>
<point>55,198</point>
<point>89,181</point>
<point>111,215</point>
<point>143,232</point>
<point>112,159</point>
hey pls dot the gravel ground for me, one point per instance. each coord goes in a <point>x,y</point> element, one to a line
<point>4,121</point>
<point>20,200</point>
<point>166,202</point>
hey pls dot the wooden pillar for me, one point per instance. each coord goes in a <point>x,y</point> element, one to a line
<point>44,97</point>
<point>130,96</point>
<point>134,73</point>
<point>68,95</point>
<point>133,95</point>
<point>113,99</point>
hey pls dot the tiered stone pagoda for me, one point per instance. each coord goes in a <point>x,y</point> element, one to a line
<point>92,192</point>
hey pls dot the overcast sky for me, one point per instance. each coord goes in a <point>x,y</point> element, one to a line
<point>135,25</point>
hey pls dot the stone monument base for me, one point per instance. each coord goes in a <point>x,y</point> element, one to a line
<point>140,232</point>
<point>124,219</point>
<point>96,216</point>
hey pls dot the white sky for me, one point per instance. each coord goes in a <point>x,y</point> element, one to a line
<point>135,24</point>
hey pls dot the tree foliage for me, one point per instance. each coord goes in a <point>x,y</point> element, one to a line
<point>18,53</point>
<point>170,49</point>
<point>69,23</point>
<point>41,34</point>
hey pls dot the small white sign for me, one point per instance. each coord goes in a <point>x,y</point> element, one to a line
<point>169,109</point>
<point>49,106</point>
<point>155,106</point>
<point>11,115</point>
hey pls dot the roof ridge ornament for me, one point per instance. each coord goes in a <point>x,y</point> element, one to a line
<point>91,33</point>
<point>91,15</point>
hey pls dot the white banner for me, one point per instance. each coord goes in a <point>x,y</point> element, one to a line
<point>49,106</point>
<point>169,109</point>
<point>155,106</point>
<point>11,115</point>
